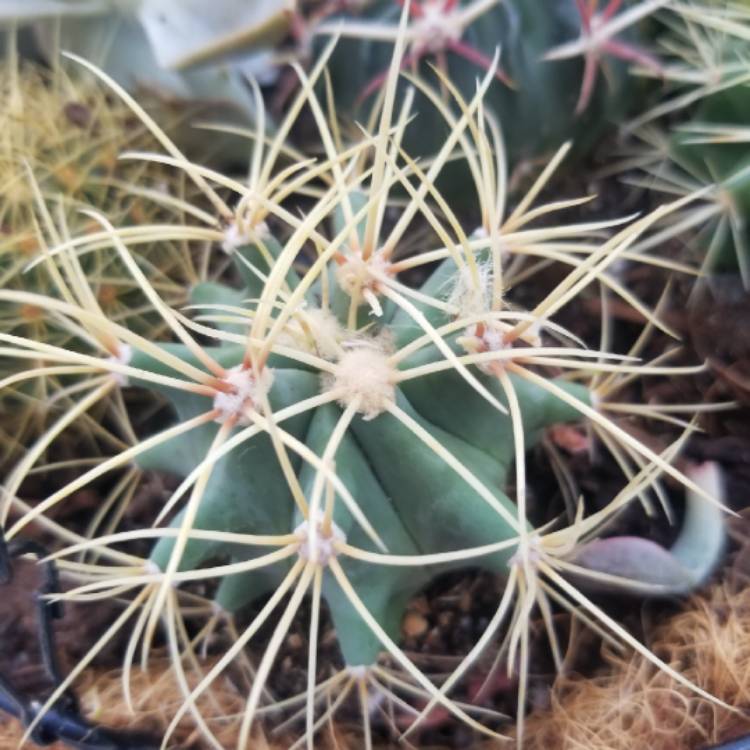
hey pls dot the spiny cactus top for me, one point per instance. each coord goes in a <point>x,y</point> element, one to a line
<point>345,432</point>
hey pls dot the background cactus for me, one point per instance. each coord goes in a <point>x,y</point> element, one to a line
<point>60,147</point>
<point>693,138</point>
<point>537,95</point>
<point>62,140</point>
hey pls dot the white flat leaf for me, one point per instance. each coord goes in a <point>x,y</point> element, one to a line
<point>22,11</point>
<point>118,45</point>
<point>186,32</point>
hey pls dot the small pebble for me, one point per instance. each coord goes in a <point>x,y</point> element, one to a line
<point>414,625</point>
<point>295,641</point>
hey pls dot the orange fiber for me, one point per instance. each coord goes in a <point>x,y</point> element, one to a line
<point>632,704</point>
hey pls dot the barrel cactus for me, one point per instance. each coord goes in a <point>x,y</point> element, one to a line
<point>347,416</point>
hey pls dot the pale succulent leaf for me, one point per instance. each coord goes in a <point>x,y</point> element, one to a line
<point>186,32</point>
<point>120,46</point>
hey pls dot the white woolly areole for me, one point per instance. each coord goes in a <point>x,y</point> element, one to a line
<point>218,610</point>
<point>326,330</point>
<point>364,375</point>
<point>355,274</point>
<point>244,392</point>
<point>236,235</point>
<point>493,339</point>
<point>470,297</point>
<point>435,28</point>
<point>532,555</point>
<point>321,550</point>
<point>361,673</point>
<point>487,336</point>
<point>151,568</point>
<point>473,289</point>
<point>484,337</point>
<point>358,672</point>
<point>490,336</point>
<point>595,399</point>
<point>123,357</point>
<point>316,331</point>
